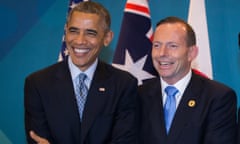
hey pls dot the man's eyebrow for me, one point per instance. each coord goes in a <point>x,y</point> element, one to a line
<point>92,31</point>
<point>156,42</point>
<point>72,28</point>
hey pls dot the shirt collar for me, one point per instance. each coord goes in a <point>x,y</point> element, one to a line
<point>75,71</point>
<point>180,85</point>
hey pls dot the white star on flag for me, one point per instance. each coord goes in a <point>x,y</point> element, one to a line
<point>136,68</point>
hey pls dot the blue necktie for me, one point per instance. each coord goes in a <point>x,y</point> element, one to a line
<point>82,92</point>
<point>170,106</point>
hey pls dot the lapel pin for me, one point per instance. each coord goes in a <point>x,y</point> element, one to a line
<point>191,103</point>
<point>102,89</point>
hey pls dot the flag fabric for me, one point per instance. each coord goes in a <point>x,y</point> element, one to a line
<point>64,53</point>
<point>133,51</point>
<point>197,19</point>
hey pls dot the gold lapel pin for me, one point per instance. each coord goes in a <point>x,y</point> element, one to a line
<point>102,89</point>
<point>191,103</point>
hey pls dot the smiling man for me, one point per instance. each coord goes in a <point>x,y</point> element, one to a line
<point>81,100</point>
<point>181,107</point>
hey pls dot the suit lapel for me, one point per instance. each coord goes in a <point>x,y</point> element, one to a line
<point>185,109</point>
<point>66,99</point>
<point>65,89</point>
<point>96,98</point>
<point>156,116</point>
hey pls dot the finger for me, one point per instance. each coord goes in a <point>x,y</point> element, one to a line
<point>37,138</point>
<point>34,136</point>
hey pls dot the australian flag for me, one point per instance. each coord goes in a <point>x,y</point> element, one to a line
<point>133,51</point>
<point>64,53</point>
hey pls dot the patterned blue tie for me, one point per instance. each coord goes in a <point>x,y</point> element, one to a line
<point>170,106</point>
<point>82,92</point>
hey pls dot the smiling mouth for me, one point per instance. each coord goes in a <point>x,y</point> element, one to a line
<point>166,63</point>
<point>77,50</point>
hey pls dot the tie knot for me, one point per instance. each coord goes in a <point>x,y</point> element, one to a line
<point>171,90</point>
<point>82,77</point>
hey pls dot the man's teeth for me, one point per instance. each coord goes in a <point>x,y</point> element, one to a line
<point>81,50</point>
<point>166,63</point>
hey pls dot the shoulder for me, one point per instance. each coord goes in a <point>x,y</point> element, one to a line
<point>48,71</point>
<point>212,84</point>
<point>153,83</point>
<point>211,87</point>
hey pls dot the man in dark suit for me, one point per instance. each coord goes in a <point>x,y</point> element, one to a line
<point>51,103</point>
<point>204,111</point>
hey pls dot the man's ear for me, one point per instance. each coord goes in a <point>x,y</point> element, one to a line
<point>192,53</point>
<point>108,38</point>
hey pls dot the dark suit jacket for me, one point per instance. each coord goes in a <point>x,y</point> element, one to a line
<point>206,114</point>
<point>109,114</point>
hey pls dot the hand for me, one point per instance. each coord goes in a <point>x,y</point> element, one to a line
<point>37,138</point>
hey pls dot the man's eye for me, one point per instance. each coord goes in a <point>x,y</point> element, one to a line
<point>73,31</point>
<point>92,33</point>
<point>156,45</point>
<point>172,46</point>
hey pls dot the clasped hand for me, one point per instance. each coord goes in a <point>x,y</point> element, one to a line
<point>37,138</point>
